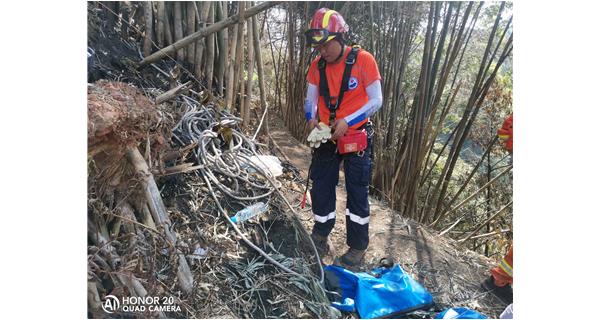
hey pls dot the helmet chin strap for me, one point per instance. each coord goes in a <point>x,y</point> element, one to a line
<point>341,52</point>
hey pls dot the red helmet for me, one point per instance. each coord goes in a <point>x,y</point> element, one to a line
<point>506,133</point>
<point>325,26</point>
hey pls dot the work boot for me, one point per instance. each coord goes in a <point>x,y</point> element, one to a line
<point>503,293</point>
<point>353,257</point>
<point>323,244</point>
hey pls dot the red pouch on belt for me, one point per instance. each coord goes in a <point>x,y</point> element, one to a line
<point>352,141</point>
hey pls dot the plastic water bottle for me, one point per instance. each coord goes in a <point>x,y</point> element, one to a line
<point>249,212</point>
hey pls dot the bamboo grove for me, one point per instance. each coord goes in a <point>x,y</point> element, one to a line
<point>447,86</point>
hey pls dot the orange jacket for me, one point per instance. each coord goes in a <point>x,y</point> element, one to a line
<point>364,72</point>
<point>506,133</point>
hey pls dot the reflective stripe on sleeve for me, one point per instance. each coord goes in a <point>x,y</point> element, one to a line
<point>506,267</point>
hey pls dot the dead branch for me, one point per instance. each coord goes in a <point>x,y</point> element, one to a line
<point>173,92</point>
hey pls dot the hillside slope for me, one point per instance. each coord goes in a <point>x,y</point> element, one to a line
<point>450,272</point>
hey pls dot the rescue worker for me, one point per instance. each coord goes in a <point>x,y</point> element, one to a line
<point>500,281</point>
<point>344,90</point>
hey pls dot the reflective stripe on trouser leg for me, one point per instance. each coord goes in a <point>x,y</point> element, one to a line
<point>358,175</point>
<point>325,175</point>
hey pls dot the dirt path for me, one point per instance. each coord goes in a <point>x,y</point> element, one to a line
<point>451,273</point>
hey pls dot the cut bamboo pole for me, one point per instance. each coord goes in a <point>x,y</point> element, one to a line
<point>160,215</point>
<point>173,92</point>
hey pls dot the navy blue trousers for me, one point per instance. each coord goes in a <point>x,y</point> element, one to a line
<point>325,176</point>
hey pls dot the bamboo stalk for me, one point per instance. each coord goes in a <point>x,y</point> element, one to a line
<point>232,48</point>
<point>205,31</point>
<point>190,29</point>
<point>465,201</point>
<point>210,46</point>
<point>148,30</point>
<point>200,44</point>
<point>239,52</point>
<point>178,28</point>
<point>249,81</point>
<point>167,22</point>
<point>160,28</point>
<point>488,220</point>
<point>222,45</point>
<point>261,76</point>
<point>487,151</point>
<point>485,235</point>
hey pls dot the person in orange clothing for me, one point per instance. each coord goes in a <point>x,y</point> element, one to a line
<point>343,91</point>
<point>502,274</point>
<point>500,281</point>
<point>505,134</point>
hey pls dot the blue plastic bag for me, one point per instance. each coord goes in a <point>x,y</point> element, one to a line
<point>460,313</point>
<point>381,293</point>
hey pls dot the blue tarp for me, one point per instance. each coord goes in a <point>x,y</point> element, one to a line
<point>382,292</point>
<point>460,313</point>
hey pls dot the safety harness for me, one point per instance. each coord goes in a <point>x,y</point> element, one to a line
<point>324,86</point>
<point>324,91</point>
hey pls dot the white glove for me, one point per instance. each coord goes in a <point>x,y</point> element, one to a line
<point>318,136</point>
